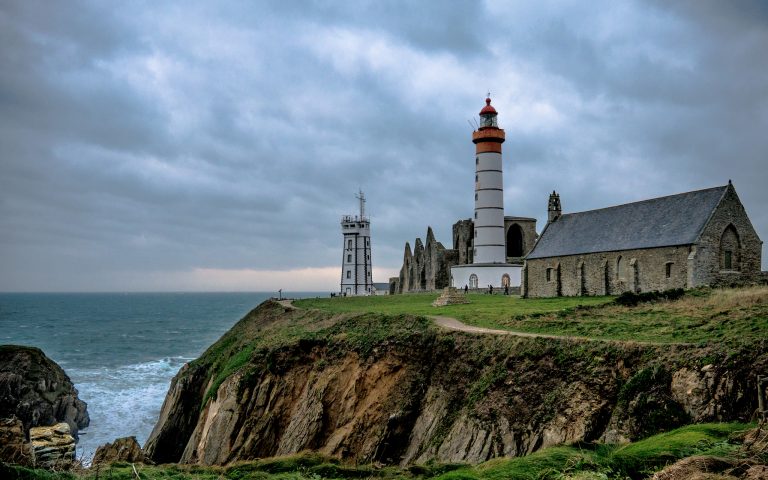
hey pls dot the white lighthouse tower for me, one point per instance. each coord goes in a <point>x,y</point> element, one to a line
<point>489,265</point>
<point>356,274</point>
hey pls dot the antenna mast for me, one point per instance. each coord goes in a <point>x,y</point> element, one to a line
<point>361,196</point>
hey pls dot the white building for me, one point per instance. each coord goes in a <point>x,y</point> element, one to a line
<point>489,265</point>
<point>356,274</point>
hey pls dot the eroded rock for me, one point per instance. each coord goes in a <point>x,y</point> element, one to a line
<point>14,447</point>
<point>53,446</point>
<point>34,389</point>
<point>125,449</point>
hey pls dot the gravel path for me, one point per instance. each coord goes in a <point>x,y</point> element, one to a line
<point>454,324</point>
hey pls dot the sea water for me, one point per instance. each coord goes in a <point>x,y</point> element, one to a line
<point>121,350</point>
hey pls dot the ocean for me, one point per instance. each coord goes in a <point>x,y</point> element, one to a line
<point>122,349</point>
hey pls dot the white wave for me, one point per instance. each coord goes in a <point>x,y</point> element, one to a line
<point>123,401</point>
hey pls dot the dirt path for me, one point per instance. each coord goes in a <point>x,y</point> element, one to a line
<point>454,324</point>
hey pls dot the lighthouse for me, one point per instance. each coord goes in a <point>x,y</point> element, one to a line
<point>356,274</point>
<point>489,265</point>
<point>489,189</point>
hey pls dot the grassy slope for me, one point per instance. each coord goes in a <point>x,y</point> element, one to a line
<point>719,316</point>
<point>635,460</point>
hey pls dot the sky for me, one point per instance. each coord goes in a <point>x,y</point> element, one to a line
<point>214,146</point>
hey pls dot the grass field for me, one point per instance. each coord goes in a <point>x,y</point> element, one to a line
<point>701,316</point>
<point>588,461</point>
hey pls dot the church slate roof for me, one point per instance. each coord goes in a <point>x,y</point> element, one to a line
<point>657,222</point>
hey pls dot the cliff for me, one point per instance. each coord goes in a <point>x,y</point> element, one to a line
<point>35,389</point>
<point>396,390</point>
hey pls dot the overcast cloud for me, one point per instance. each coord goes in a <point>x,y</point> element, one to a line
<point>214,146</point>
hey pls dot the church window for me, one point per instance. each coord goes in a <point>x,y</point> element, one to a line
<point>730,249</point>
<point>620,268</point>
<point>349,258</point>
<point>473,281</point>
<point>515,241</point>
<point>505,281</point>
<point>349,273</point>
<point>549,274</point>
<point>668,269</point>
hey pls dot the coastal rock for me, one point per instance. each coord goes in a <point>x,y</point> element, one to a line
<point>14,447</point>
<point>34,389</point>
<point>125,449</point>
<point>53,446</point>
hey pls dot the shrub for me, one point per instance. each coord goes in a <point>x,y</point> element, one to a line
<point>630,299</point>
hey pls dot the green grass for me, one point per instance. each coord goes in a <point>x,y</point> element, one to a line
<point>588,461</point>
<point>732,316</point>
<point>484,310</point>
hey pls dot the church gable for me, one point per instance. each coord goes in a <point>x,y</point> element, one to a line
<point>657,222</point>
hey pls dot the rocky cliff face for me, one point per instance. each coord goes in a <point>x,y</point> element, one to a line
<point>34,389</point>
<point>416,394</point>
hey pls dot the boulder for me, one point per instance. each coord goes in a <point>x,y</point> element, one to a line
<point>124,449</point>
<point>53,446</point>
<point>14,447</point>
<point>34,389</point>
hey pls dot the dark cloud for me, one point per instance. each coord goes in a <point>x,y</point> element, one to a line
<point>143,143</point>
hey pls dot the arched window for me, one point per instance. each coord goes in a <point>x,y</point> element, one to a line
<point>620,268</point>
<point>730,249</point>
<point>473,281</point>
<point>505,281</point>
<point>515,246</point>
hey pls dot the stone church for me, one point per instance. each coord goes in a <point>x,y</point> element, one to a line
<point>679,241</point>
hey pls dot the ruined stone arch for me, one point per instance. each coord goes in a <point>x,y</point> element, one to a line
<point>730,249</point>
<point>515,241</point>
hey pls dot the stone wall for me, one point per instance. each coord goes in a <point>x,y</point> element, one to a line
<point>607,273</point>
<point>529,236</point>
<point>426,269</point>
<point>463,241</point>
<point>729,228</point>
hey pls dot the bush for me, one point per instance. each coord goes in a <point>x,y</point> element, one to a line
<point>630,299</point>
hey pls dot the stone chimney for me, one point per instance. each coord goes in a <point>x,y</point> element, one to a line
<point>553,209</point>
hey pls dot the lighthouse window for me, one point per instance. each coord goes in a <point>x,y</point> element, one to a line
<point>475,197</point>
<point>349,258</point>
<point>349,274</point>
<point>349,243</point>
<point>477,178</point>
<point>477,160</point>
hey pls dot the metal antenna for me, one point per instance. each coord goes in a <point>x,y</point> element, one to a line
<point>361,196</point>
